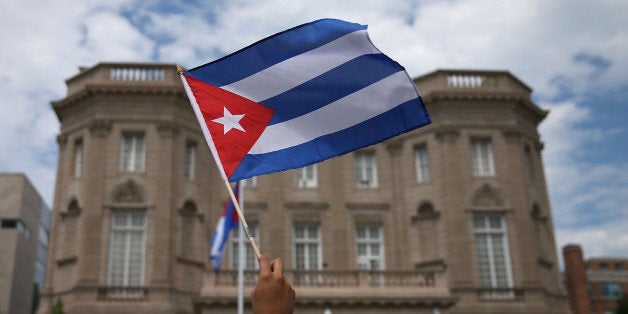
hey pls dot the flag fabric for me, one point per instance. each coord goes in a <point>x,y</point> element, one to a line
<point>227,221</point>
<point>309,93</point>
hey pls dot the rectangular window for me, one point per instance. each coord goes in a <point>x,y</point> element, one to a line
<point>132,152</point>
<point>482,155</point>
<point>126,248</point>
<point>619,266</point>
<point>78,158</point>
<point>422,164</point>
<point>250,182</point>
<point>611,290</point>
<point>18,224</point>
<point>190,159</point>
<point>306,177</point>
<point>491,248</point>
<point>365,170</point>
<point>307,247</point>
<point>250,260</point>
<point>370,247</point>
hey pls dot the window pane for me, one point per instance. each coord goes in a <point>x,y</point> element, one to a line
<point>422,164</point>
<point>365,170</point>
<point>307,247</point>
<point>370,247</point>
<point>78,158</point>
<point>126,248</point>
<point>482,157</point>
<point>492,256</point>
<point>495,222</point>
<point>190,157</point>
<point>132,152</point>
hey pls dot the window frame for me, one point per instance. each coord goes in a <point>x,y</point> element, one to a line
<point>135,162</point>
<point>482,166</point>
<point>364,160</point>
<point>369,241</point>
<point>303,179</point>
<point>78,157</point>
<point>487,233</point>
<point>189,160</point>
<point>422,163</point>
<point>249,182</point>
<point>249,253</point>
<point>127,230</point>
<point>307,242</point>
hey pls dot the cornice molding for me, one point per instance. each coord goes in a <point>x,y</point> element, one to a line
<point>99,128</point>
<point>447,134</point>
<point>306,206</point>
<point>167,129</point>
<point>368,206</point>
<point>97,89</point>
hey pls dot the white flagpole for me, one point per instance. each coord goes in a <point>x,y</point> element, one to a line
<point>241,255</point>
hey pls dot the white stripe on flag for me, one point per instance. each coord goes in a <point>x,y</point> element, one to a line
<point>299,69</point>
<point>353,109</point>
<point>219,236</point>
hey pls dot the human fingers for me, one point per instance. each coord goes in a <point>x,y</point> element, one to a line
<point>277,265</point>
<point>264,265</point>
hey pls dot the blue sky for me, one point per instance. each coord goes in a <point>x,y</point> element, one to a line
<point>572,53</point>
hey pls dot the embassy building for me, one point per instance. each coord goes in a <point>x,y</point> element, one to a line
<point>453,217</point>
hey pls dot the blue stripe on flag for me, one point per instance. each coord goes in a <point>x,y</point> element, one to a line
<point>409,115</point>
<point>272,50</point>
<point>348,78</point>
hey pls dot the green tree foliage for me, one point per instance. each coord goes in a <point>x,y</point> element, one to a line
<point>622,305</point>
<point>57,308</point>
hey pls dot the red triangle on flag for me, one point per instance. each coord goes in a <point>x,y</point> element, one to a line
<point>226,114</point>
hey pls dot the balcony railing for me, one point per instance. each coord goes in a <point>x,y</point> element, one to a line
<point>501,294</point>
<point>125,75</point>
<point>336,279</point>
<point>113,293</point>
<point>465,81</point>
<point>136,74</point>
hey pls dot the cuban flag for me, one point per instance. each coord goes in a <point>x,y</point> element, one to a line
<point>227,221</point>
<point>312,92</point>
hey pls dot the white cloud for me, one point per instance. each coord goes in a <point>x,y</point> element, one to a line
<point>43,43</point>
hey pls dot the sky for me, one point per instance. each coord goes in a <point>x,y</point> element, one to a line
<point>572,53</point>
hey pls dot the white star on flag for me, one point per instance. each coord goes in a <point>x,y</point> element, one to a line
<point>230,121</point>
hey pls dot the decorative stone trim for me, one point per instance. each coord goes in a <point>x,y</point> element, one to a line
<point>305,217</point>
<point>128,192</point>
<point>511,135</point>
<point>100,128</point>
<point>368,218</point>
<point>62,139</point>
<point>67,260</point>
<point>394,147</point>
<point>167,129</point>
<point>447,134</point>
<point>254,206</point>
<point>306,206</point>
<point>487,196</point>
<point>434,215</point>
<point>438,265</point>
<point>368,206</point>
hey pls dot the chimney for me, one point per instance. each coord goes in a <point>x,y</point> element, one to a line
<point>576,277</point>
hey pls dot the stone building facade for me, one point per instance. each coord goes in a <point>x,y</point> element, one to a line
<point>450,218</point>
<point>23,240</point>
